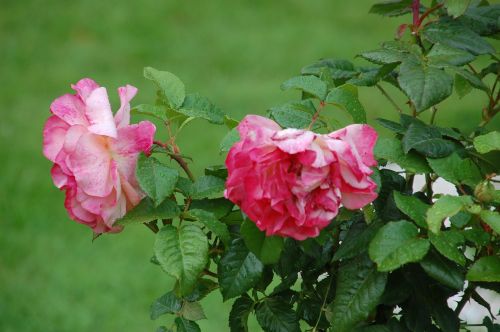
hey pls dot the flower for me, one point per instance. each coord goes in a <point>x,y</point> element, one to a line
<point>291,182</point>
<point>95,154</point>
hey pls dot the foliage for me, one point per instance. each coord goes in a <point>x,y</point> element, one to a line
<point>410,249</point>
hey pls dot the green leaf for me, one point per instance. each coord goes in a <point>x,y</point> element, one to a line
<point>192,311</point>
<point>391,125</point>
<point>230,122</point>
<point>184,185</point>
<point>357,240</point>
<point>392,8</point>
<point>456,170</point>
<point>297,114</point>
<point>456,8</point>
<point>340,70</point>
<point>485,269</point>
<point>184,325</point>
<point>197,106</point>
<point>202,288</point>
<point>462,86</point>
<point>492,219</point>
<point>359,289</point>
<point>157,111</point>
<point>229,140</point>
<point>483,19</point>
<point>208,186</point>
<point>309,83</point>
<point>448,244</point>
<point>445,56</point>
<point>166,304</point>
<point>471,78</point>
<point>426,86</point>
<point>396,244</point>
<point>390,149</point>
<point>213,224</point>
<point>371,76</point>
<point>220,207</point>
<point>182,253</point>
<point>276,315</point>
<point>412,207</point>
<point>446,206</point>
<point>266,248</point>
<point>238,270</point>
<point>238,317</point>
<point>155,178</point>
<point>426,140</point>
<point>385,56</point>
<point>488,142</point>
<point>170,86</point>
<point>454,34</point>
<point>146,211</point>
<point>346,97</point>
<point>443,270</point>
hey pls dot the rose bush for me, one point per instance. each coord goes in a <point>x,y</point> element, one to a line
<point>313,223</point>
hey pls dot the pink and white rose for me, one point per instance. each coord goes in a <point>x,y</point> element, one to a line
<point>95,154</point>
<point>291,182</point>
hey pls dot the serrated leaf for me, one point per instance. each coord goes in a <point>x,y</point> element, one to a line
<point>412,207</point>
<point>238,317</point>
<point>168,84</point>
<point>456,8</point>
<point>487,142</point>
<point>229,140</point>
<point>295,115</point>
<point>462,86</point>
<point>202,288</point>
<point>184,185</point>
<point>395,244</point>
<point>266,248</point>
<point>443,270</point>
<point>454,34</point>
<point>482,19</point>
<point>207,186</point>
<point>448,244</point>
<point>146,211</point>
<point>392,8</point>
<point>346,97</point>
<point>385,55</point>
<point>184,325</point>
<point>157,111</point>
<point>275,315</point>
<point>371,76</point>
<point>446,206</point>
<point>230,122</point>
<point>182,253</point>
<point>456,170</point>
<point>166,304</point>
<point>359,288</point>
<point>426,140</point>
<point>425,86</point>
<point>485,269</point>
<point>390,149</point>
<point>156,179</point>
<point>238,270</point>
<point>192,311</point>
<point>391,125</point>
<point>213,224</point>
<point>492,219</point>
<point>197,106</point>
<point>220,207</point>
<point>357,240</point>
<point>308,83</point>
<point>341,70</point>
<point>445,56</point>
<point>471,78</point>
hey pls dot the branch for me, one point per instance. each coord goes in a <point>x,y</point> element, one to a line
<point>386,95</point>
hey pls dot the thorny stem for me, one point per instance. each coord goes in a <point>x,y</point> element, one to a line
<point>316,115</point>
<point>178,158</point>
<point>465,298</point>
<point>386,95</point>
<point>322,308</point>
<point>415,8</point>
<point>429,11</point>
<point>209,273</point>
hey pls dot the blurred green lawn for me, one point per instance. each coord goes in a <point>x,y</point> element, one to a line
<point>52,277</point>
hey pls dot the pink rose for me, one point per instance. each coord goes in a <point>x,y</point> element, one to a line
<point>95,154</point>
<point>291,182</point>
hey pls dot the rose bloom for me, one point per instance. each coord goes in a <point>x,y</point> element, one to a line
<point>95,154</point>
<point>291,182</point>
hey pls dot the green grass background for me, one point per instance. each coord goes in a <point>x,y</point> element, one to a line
<point>52,276</point>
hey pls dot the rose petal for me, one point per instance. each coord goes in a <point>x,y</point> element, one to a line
<point>99,114</point>
<point>54,133</point>
<point>293,140</point>
<point>126,93</point>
